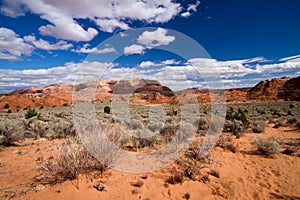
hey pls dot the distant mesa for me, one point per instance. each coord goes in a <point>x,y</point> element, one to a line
<point>146,92</point>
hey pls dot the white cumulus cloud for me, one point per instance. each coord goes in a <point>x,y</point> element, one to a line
<point>12,46</point>
<point>198,72</point>
<point>45,45</point>
<point>191,8</point>
<point>134,49</point>
<point>85,49</point>
<point>106,14</point>
<point>148,40</point>
<point>155,38</point>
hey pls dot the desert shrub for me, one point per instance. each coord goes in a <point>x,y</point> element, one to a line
<point>279,122</point>
<point>144,139</point>
<point>191,169</point>
<point>262,112</point>
<point>9,111</point>
<point>230,114</point>
<point>292,147</point>
<point>203,123</point>
<point>168,132</point>
<point>65,104</point>
<point>176,178</point>
<point>228,126</point>
<point>240,115</point>
<point>134,124</point>
<point>277,113</point>
<point>215,173</point>
<point>147,142</point>
<point>69,159</point>
<point>107,109</point>
<point>226,142</point>
<point>298,125</point>
<point>154,127</point>
<point>267,147</point>
<point>237,128</point>
<point>63,129</point>
<point>10,132</point>
<point>175,112</point>
<point>96,142</point>
<point>187,196</point>
<point>258,126</point>
<point>31,112</point>
<point>292,120</point>
<point>289,113</point>
<point>37,128</point>
<point>34,129</point>
<point>291,106</point>
<point>6,106</point>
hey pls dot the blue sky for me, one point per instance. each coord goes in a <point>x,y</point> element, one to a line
<point>48,41</point>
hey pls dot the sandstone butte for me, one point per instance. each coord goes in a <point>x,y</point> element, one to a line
<point>146,92</point>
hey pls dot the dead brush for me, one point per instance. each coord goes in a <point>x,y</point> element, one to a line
<point>175,178</point>
<point>68,160</point>
<point>292,147</point>
<point>226,142</point>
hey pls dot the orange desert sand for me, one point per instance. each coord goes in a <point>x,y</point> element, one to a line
<point>243,175</point>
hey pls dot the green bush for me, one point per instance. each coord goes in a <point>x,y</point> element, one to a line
<point>240,115</point>
<point>31,112</point>
<point>9,111</point>
<point>6,106</point>
<point>267,147</point>
<point>107,109</point>
<point>229,114</point>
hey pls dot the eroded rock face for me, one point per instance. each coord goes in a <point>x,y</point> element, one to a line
<point>146,92</point>
<point>138,91</point>
<point>276,89</point>
<point>291,90</point>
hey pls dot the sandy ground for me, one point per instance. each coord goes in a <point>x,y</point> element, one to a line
<point>243,175</point>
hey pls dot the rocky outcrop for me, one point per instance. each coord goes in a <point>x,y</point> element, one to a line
<point>276,89</point>
<point>146,92</point>
<point>291,90</point>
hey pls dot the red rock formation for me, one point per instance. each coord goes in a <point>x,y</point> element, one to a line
<point>146,92</point>
<point>276,89</point>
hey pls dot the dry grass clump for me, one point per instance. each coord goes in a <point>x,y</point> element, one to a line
<point>187,196</point>
<point>69,159</point>
<point>292,147</point>
<point>226,142</point>
<point>176,178</point>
